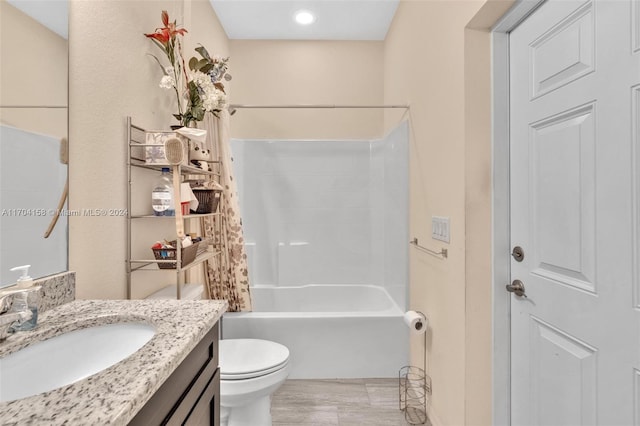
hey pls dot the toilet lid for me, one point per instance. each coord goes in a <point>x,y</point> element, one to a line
<point>247,358</point>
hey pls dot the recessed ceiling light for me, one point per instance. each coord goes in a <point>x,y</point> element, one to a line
<point>304,17</point>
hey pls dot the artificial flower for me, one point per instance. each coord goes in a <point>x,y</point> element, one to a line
<point>199,89</point>
<point>167,82</point>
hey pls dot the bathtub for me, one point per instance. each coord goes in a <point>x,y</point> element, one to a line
<point>332,331</point>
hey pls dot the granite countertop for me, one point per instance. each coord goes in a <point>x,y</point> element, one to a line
<point>115,395</point>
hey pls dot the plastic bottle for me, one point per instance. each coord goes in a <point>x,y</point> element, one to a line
<point>25,281</point>
<point>162,195</point>
<point>26,300</point>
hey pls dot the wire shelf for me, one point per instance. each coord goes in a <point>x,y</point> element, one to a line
<point>412,390</point>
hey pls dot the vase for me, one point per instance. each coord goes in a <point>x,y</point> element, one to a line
<point>192,124</point>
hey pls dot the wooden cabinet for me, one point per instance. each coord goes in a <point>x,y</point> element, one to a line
<point>191,395</point>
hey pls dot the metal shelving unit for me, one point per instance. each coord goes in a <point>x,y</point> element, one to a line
<point>136,140</point>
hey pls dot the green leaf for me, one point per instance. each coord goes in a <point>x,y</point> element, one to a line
<point>206,68</point>
<point>203,52</point>
<point>202,63</point>
<point>193,89</point>
<point>159,63</point>
<point>193,62</point>
<point>178,117</point>
<point>198,113</point>
<point>160,45</point>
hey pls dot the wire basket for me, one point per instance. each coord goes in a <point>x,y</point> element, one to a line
<point>412,390</point>
<point>203,246</point>
<point>208,200</point>
<point>188,255</point>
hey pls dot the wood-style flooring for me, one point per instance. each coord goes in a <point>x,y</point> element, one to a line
<point>371,402</point>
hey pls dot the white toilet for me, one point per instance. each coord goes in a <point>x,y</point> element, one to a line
<point>189,292</point>
<point>251,370</point>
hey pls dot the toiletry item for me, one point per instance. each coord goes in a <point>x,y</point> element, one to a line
<point>416,321</point>
<point>173,150</point>
<point>25,281</point>
<point>186,242</point>
<point>25,302</point>
<point>25,299</point>
<point>162,195</point>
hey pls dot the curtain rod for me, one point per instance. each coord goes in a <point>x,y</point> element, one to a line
<point>235,106</point>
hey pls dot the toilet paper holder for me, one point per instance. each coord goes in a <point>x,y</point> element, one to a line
<point>412,390</point>
<point>417,321</point>
<point>413,382</point>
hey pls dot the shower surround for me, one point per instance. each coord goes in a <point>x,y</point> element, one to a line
<point>326,231</point>
<point>32,179</point>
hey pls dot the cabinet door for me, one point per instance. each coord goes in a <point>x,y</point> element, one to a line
<point>177,398</point>
<point>207,409</point>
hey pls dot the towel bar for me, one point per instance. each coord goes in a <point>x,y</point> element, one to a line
<point>443,252</point>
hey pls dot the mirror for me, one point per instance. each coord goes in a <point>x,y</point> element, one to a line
<point>33,126</point>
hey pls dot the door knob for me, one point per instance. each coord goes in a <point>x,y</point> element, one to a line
<point>516,287</point>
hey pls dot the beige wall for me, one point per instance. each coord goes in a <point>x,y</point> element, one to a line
<point>204,29</point>
<point>33,71</point>
<point>307,72</point>
<point>435,58</point>
<point>111,78</point>
<point>442,69</point>
<point>424,66</point>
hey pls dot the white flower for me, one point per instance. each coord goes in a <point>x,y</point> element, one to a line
<point>213,99</point>
<point>167,82</point>
<point>201,79</point>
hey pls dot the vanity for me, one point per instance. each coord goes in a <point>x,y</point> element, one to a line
<point>172,379</point>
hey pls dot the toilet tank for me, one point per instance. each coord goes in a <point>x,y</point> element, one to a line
<point>188,292</point>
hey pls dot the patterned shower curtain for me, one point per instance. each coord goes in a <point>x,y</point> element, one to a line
<point>226,275</point>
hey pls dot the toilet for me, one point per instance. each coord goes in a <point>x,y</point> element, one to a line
<point>251,370</point>
<point>188,292</point>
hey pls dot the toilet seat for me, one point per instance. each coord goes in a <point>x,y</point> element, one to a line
<point>242,359</point>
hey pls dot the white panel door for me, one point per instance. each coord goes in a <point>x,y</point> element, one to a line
<point>575,102</point>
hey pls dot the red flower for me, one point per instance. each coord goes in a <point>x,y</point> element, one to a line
<point>161,35</point>
<point>168,32</point>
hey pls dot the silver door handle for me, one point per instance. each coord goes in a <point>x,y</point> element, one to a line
<point>516,287</point>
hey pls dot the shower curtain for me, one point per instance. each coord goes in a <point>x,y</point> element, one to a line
<point>226,275</point>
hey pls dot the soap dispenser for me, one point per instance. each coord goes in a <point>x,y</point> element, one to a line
<point>26,297</point>
<point>25,281</point>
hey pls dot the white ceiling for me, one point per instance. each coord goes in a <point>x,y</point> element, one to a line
<point>335,19</point>
<point>264,19</point>
<point>50,13</point>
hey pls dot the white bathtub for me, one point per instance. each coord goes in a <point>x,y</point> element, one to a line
<point>332,331</point>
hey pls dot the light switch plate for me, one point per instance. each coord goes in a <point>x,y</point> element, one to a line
<point>440,229</point>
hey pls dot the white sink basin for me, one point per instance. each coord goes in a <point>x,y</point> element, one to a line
<point>69,357</point>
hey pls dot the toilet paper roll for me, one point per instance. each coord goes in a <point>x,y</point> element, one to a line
<point>416,321</point>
